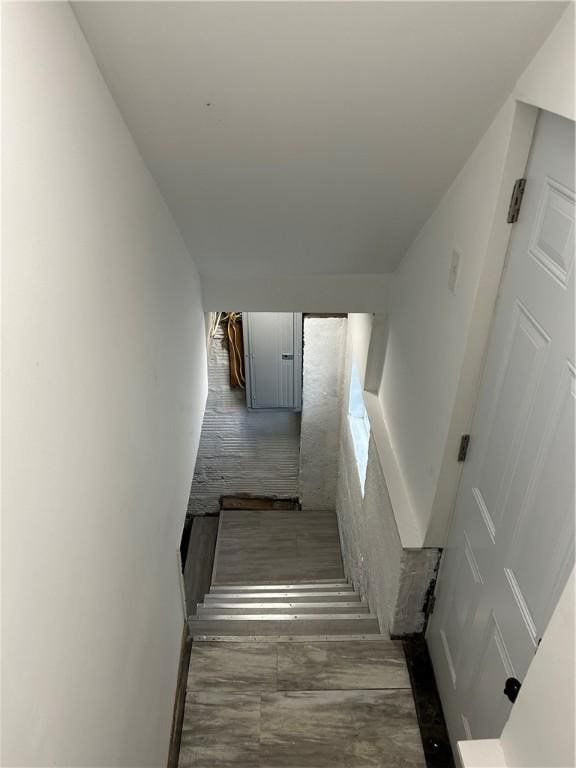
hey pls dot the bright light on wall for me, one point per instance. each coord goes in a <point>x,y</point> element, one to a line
<point>359,425</point>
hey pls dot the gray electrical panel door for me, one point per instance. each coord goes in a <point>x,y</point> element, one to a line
<point>273,355</point>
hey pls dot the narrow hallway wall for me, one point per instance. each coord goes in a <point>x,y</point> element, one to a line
<point>324,345</point>
<point>104,383</point>
<point>394,579</point>
<point>241,451</point>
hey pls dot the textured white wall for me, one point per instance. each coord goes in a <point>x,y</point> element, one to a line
<point>393,579</point>
<point>323,356</point>
<point>104,383</point>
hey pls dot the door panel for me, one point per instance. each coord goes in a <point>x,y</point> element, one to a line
<point>522,365</point>
<point>486,711</point>
<point>273,353</point>
<point>511,543</point>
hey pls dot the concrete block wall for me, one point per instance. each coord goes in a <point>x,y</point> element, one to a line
<point>394,580</point>
<point>323,359</point>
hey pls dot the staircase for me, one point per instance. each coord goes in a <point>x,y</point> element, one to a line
<point>320,609</point>
<point>288,668</point>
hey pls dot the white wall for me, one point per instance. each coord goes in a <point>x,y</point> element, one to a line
<point>429,327</point>
<point>322,389</point>
<point>435,339</point>
<point>104,384</point>
<point>311,293</point>
<point>359,334</point>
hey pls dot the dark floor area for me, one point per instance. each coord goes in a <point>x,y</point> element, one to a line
<point>437,749</point>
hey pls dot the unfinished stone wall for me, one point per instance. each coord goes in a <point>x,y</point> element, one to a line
<point>394,580</point>
<point>323,358</point>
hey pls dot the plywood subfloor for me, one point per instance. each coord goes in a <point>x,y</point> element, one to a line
<point>275,547</point>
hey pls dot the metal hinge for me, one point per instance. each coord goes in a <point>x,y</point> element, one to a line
<point>516,200</point>
<point>431,605</point>
<point>463,450</point>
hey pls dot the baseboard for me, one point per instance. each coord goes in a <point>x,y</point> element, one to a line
<point>180,699</point>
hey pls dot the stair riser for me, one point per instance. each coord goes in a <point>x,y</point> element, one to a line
<point>285,595</point>
<point>284,598</point>
<point>277,608</point>
<point>287,627</point>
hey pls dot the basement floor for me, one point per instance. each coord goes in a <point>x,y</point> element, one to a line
<point>241,449</point>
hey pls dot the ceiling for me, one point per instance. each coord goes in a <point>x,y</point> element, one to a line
<point>293,138</point>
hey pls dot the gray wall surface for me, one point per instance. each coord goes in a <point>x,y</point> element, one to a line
<point>393,580</point>
<point>324,345</point>
<point>241,451</point>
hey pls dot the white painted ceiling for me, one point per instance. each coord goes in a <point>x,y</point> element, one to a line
<point>294,138</point>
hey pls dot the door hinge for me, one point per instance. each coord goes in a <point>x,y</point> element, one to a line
<point>516,200</point>
<point>431,605</point>
<point>463,450</point>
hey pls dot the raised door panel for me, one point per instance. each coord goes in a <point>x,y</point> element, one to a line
<point>489,707</point>
<point>521,366</point>
<point>539,557</point>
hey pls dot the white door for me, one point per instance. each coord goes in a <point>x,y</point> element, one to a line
<point>273,355</point>
<point>511,544</point>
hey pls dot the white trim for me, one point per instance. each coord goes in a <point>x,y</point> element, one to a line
<point>481,753</point>
<point>411,534</point>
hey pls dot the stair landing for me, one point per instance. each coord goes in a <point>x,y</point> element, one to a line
<point>277,546</point>
<point>311,704</point>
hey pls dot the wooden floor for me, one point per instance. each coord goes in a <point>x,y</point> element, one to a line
<point>277,547</point>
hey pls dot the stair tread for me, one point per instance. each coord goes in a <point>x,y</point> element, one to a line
<point>326,638</point>
<point>358,610</point>
<point>304,586</point>
<point>287,594</point>
<point>290,616</point>
<point>275,584</point>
